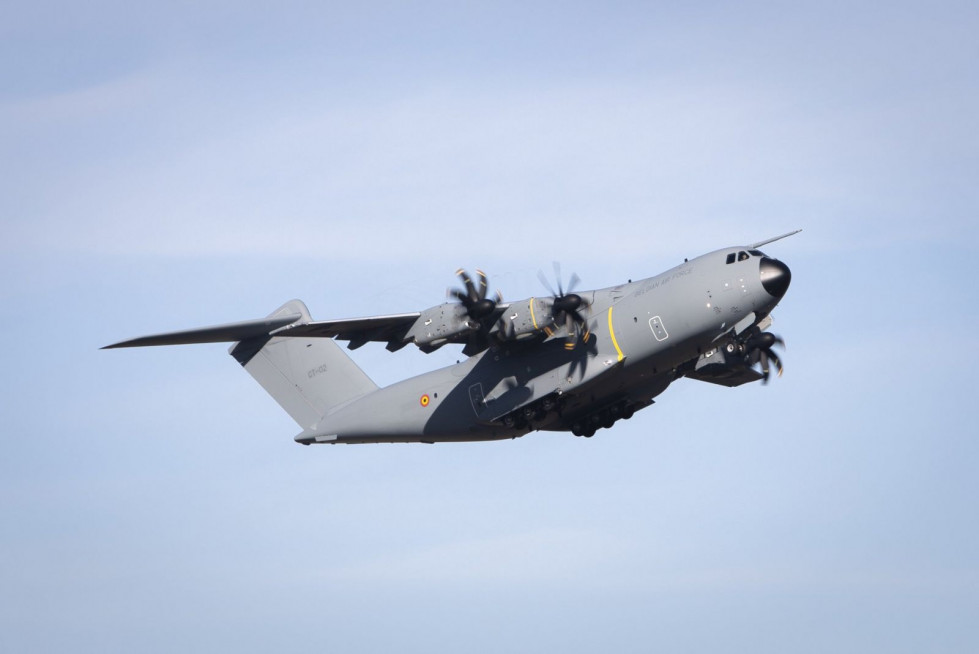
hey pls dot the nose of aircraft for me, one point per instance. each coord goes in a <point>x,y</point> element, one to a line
<point>775,277</point>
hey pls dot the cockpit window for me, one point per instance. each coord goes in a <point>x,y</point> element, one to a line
<point>744,256</point>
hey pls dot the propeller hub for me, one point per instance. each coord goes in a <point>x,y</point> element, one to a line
<point>763,340</point>
<point>568,302</point>
<point>481,308</point>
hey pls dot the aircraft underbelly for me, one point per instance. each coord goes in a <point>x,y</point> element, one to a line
<point>429,408</point>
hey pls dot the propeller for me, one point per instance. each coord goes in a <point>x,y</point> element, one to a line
<point>759,347</point>
<point>478,307</point>
<point>473,295</point>
<point>565,306</point>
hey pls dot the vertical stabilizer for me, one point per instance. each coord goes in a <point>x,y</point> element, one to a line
<point>306,376</point>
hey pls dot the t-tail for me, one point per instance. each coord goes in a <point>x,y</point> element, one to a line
<point>308,377</point>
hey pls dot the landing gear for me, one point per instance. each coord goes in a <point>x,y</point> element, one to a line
<point>532,413</point>
<point>603,419</point>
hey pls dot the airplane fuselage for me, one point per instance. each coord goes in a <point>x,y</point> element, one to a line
<point>641,336</point>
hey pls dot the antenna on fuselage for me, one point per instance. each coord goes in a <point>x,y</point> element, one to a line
<point>754,246</point>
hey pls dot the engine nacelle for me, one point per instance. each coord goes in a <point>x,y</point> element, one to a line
<point>723,356</point>
<point>526,319</point>
<point>438,324</point>
<point>724,364</point>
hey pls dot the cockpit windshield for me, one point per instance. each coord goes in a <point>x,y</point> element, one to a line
<point>743,255</point>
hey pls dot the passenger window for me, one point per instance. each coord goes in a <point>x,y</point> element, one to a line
<point>730,258</point>
<point>742,256</point>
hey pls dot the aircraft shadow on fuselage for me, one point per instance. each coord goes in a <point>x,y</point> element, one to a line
<point>515,368</point>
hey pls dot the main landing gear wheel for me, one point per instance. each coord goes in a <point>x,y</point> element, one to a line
<point>604,419</point>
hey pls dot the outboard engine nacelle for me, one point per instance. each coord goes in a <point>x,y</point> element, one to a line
<point>435,326</point>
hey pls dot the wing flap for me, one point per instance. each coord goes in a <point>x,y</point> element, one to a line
<point>389,329</point>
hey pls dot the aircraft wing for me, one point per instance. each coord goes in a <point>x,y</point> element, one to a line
<point>428,329</point>
<point>727,377</point>
<point>237,331</point>
<point>396,330</point>
<point>387,329</point>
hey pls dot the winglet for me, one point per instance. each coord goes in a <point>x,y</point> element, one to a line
<point>772,240</point>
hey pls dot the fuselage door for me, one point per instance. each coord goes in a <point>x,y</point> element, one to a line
<point>477,398</point>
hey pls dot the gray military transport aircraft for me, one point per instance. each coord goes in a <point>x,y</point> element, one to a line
<point>566,362</point>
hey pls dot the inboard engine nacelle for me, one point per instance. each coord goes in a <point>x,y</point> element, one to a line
<point>525,319</point>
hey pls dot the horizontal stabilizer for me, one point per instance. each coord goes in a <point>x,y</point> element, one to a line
<point>236,331</point>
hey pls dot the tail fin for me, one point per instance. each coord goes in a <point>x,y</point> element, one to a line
<point>306,376</point>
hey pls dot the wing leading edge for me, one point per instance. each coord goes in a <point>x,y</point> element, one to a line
<point>227,333</point>
<point>395,330</point>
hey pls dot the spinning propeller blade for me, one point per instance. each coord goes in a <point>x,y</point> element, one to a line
<point>565,307</point>
<point>473,297</point>
<point>759,347</point>
<point>478,307</point>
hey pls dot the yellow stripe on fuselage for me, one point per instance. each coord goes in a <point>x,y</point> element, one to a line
<point>611,332</point>
<point>532,318</point>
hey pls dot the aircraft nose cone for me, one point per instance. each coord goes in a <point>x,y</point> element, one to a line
<point>775,277</point>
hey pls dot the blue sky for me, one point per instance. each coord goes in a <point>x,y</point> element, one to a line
<point>186,164</point>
